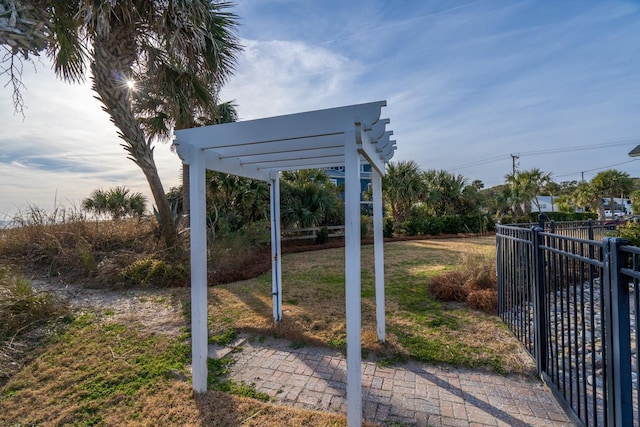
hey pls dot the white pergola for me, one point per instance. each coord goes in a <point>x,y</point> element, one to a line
<point>344,136</point>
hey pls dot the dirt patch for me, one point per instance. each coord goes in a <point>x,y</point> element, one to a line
<point>156,311</point>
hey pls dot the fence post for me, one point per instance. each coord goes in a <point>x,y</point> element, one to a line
<point>590,224</point>
<point>541,220</point>
<point>552,226</point>
<point>500,274</point>
<point>539,294</point>
<point>617,335</point>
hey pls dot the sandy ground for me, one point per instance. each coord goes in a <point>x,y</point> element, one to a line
<point>155,310</point>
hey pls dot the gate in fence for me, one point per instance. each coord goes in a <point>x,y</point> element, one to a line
<point>572,302</point>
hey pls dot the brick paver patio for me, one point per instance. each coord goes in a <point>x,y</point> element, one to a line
<point>412,394</point>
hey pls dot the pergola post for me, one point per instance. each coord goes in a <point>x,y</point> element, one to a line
<point>378,248</point>
<point>199,338</point>
<point>352,279</point>
<point>276,253</point>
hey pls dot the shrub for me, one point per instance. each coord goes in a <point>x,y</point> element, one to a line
<point>152,271</point>
<point>237,256</point>
<point>21,308</point>
<point>366,224</point>
<point>631,232</point>
<point>71,244</point>
<point>387,227</point>
<point>452,224</point>
<point>484,300</point>
<point>449,286</point>
<point>480,272</point>
<point>419,224</point>
<point>323,235</point>
<point>474,283</point>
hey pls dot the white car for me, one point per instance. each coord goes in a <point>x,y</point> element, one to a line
<point>617,214</point>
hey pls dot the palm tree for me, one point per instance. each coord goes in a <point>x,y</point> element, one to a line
<point>635,201</point>
<point>309,199</point>
<point>449,194</point>
<point>23,33</point>
<point>402,187</point>
<point>519,193</point>
<point>237,200</point>
<point>537,180</point>
<point>565,203</point>
<point>585,196</point>
<point>117,202</point>
<point>177,53</point>
<point>226,112</point>
<point>611,183</point>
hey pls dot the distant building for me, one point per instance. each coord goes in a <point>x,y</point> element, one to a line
<point>336,175</point>
<point>621,205</point>
<point>547,204</point>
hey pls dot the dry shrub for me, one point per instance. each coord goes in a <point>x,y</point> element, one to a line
<point>449,286</point>
<point>70,244</point>
<point>484,300</point>
<point>26,317</point>
<point>475,283</point>
<point>481,272</point>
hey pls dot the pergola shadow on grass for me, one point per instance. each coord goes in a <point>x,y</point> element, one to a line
<point>344,136</point>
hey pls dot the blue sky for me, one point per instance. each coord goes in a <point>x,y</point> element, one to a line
<point>467,83</point>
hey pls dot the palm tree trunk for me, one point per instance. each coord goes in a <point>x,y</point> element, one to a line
<point>114,55</point>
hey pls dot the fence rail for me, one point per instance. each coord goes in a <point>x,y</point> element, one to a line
<point>311,232</point>
<point>572,302</point>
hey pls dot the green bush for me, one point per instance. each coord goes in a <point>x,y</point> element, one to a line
<point>22,308</point>
<point>387,227</point>
<point>631,232</point>
<point>452,224</point>
<point>152,271</point>
<point>323,235</point>
<point>419,224</point>
<point>564,216</point>
<point>365,220</point>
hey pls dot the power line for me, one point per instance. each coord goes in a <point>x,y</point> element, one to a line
<point>548,151</point>
<point>579,147</point>
<point>595,169</point>
<point>480,162</point>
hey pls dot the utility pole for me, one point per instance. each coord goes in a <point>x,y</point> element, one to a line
<point>514,157</point>
<point>582,176</point>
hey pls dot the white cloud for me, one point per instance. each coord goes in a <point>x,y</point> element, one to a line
<point>65,147</point>
<point>280,77</point>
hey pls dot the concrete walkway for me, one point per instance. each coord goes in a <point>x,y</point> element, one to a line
<point>411,394</point>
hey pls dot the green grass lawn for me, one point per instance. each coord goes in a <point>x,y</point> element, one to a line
<point>418,325</point>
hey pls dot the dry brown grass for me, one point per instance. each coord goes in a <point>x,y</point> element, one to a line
<point>108,374</point>
<point>475,283</point>
<point>80,248</point>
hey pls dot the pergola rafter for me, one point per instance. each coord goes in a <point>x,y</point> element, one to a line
<point>261,149</point>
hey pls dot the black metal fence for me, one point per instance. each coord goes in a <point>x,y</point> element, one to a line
<point>572,301</point>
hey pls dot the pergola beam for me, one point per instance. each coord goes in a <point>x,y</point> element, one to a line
<point>293,126</point>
